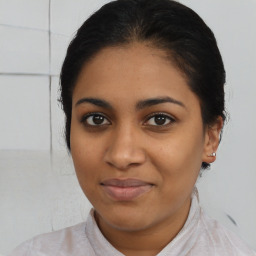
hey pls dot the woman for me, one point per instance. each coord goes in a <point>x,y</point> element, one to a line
<point>142,91</point>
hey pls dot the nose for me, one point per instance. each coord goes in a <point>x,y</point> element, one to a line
<point>124,149</point>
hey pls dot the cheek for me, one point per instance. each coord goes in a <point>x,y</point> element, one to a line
<point>85,161</point>
<point>85,155</point>
<point>179,169</point>
<point>180,156</point>
<point>86,171</point>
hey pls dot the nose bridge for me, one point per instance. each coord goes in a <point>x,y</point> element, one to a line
<point>124,147</point>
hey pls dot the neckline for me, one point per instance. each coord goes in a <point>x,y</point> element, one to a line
<point>102,246</point>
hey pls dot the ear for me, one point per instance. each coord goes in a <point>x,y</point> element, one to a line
<point>212,139</point>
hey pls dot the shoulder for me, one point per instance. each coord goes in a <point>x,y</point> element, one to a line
<point>224,241</point>
<point>66,241</point>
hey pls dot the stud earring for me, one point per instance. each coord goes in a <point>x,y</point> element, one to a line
<point>212,154</point>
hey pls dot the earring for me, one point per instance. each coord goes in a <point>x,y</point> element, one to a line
<point>212,154</point>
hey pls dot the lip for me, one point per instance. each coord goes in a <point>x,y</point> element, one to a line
<point>125,189</point>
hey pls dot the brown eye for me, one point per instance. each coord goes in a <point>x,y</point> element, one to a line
<point>160,120</point>
<point>95,120</point>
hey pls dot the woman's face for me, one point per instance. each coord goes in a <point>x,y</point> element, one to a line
<point>137,137</point>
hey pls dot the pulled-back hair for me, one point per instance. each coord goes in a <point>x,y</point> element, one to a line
<point>164,24</point>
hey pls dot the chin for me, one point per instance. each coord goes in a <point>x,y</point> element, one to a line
<point>125,219</point>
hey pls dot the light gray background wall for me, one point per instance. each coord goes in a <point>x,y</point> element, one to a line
<point>38,188</point>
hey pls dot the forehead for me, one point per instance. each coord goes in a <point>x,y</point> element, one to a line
<point>130,73</point>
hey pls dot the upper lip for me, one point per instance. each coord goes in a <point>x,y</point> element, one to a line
<point>125,182</point>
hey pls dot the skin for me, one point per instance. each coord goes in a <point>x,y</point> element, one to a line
<point>130,144</point>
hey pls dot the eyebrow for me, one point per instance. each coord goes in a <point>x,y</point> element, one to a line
<point>94,101</point>
<point>139,105</point>
<point>155,101</point>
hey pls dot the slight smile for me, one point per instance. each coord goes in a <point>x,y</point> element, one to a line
<point>125,190</point>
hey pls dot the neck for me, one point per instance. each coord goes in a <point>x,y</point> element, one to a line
<point>149,241</point>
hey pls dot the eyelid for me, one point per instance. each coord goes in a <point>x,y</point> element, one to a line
<point>172,119</point>
<point>86,116</point>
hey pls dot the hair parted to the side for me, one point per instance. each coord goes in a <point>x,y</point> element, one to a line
<point>164,24</point>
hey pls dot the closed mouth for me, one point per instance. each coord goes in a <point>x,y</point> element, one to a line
<point>126,189</point>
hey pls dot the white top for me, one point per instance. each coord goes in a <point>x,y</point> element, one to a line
<point>200,236</point>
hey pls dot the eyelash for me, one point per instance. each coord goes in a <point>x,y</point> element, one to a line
<point>171,119</point>
<point>85,118</point>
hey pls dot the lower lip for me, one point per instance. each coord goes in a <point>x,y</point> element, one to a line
<point>126,193</point>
